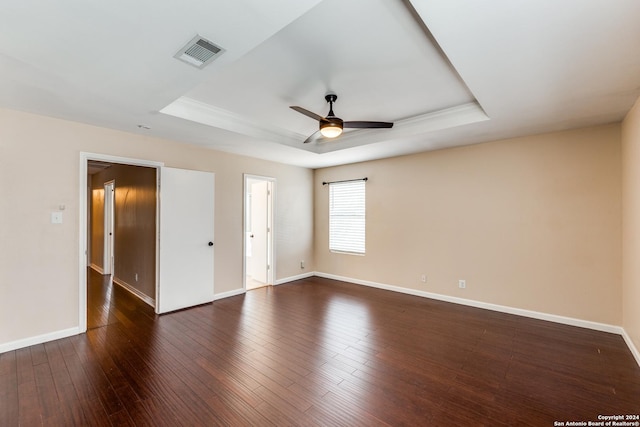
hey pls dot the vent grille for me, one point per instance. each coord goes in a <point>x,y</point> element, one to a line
<point>199,52</point>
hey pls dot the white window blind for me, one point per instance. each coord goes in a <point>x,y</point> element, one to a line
<point>347,216</point>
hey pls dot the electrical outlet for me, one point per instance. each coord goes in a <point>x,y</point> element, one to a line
<point>423,278</point>
<point>136,277</point>
<point>462,284</point>
<point>302,264</point>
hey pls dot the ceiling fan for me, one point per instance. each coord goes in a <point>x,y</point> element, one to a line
<point>331,126</point>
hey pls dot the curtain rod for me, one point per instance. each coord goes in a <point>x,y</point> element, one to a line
<point>346,180</point>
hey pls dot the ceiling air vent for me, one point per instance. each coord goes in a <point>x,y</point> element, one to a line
<point>199,52</point>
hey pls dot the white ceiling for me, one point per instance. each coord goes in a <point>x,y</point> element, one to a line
<point>446,72</point>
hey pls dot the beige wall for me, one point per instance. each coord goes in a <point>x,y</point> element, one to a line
<point>134,225</point>
<point>631,224</point>
<point>531,223</point>
<point>39,170</point>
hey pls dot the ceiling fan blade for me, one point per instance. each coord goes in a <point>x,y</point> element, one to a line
<point>307,113</point>
<point>314,136</point>
<point>367,125</point>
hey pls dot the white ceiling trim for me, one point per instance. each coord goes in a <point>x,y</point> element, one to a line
<point>206,114</point>
<point>200,112</point>
<point>422,124</point>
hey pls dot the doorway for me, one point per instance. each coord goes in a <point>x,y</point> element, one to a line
<point>170,290</point>
<point>121,236</point>
<point>98,255</point>
<point>259,194</point>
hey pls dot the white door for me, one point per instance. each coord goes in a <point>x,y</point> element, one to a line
<point>259,224</point>
<point>109,215</point>
<point>186,239</point>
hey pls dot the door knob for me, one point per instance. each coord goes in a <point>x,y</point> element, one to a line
<point>210,243</point>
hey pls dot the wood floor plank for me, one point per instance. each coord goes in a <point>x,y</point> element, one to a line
<point>228,398</point>
<point>9,402</point>
<point>84,388</point>
<point>95,414</point>
<point>274,416</point>
<point>30,409</point>
<point>95,378</point>
<point>122,418</point>
<point>382,404</point>
<point>46,390</point>
<point>136,409</point>
<point>7,363</point>
<point>198,396</point>
<point>38,354</point>
<point>60,374</point>
<point>285,407</point>
<point>148,385</point>
<point>333,411</point>
<point>315,352</point>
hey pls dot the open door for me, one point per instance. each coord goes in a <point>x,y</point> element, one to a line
<point>185,276</point>
<point>259,193</point>
<point>259,230</point>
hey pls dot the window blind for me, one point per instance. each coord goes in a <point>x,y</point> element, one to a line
<point>347,217</point>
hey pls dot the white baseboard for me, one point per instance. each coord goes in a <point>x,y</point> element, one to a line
<point>145,298</point>
<point>631,345</point>
<point>479,304</point>
<point>97,268</point>
<point>228,294</point>
<point>294,278</point>
<point>603,327</point>
<point>39,339</point>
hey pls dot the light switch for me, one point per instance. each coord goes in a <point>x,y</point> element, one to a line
<point>56,217</point>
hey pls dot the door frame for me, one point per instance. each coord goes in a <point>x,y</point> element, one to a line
<point>108,262</point>
<point>83,214</point>
<point>271,212</point>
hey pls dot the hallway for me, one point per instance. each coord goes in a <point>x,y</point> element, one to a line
<point>106,302</point>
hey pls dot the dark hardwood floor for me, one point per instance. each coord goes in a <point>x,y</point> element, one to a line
<point>316,352</point>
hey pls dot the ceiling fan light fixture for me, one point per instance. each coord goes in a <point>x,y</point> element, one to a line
<point>330,129</point>
<point>331,126</point>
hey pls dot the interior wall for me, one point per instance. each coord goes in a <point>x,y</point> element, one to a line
<point>531,223</point>
<point>39,265</point>
<point>134,225</point>
<point>631,223</point>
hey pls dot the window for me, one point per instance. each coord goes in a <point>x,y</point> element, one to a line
<point>347,217</point>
